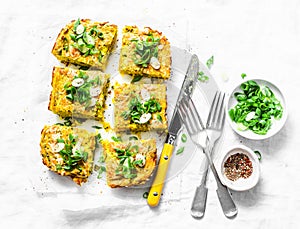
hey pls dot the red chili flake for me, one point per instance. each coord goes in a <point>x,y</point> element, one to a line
<point>238,166</point>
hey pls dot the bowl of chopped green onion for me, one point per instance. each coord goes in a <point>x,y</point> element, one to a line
<point>256,109</point>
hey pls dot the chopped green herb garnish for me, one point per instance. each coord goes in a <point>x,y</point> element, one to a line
<point>116,139</point>
<point>84,68</point>
<point>180,150</point>
<point>183,138</point>
<point>258,154</point>
<point>243,75</point>
<point>81,93</point>
<point>128,161</point>
<point>84,40</point>
<point>137,109</point>
<point>145,195</point>
<point>60,140</point>
<point>136,78</point>
<point>67,122</point>
<point>101,170</point>
<point>210,62</point>
<point>101,159</point>
<point>202,77</point>
<point>98,137</point>
<point>256,107</point>
<point>97,127</point>
<point>71,158</point>
<point>159,118</point>
<point>145,49</point>
<point>133,138</point>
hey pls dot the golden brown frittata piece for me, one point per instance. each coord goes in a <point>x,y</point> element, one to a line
<point>78,93</point>
<point>129,163</point>
<point>140,107</point>
<point>68,151</point>
<point>145,52</point>
<point>85,43</point>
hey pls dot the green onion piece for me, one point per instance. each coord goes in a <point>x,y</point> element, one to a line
<point>101,159</point>
<point>68,122</point>
<point>76,24</point>
<point>116,139</point>
<point>136,78</point>
<point>180,150</point>
<point>258,154</point>
<point>243,75</point>
<point>102,169</point>
<point>99,137</point>
<point>97,127</point>
<point>159,118</point>
<point>60,140</point>
<point>210,62</point>
<point>256,108</point>
<point>202,77</point>
<point>183,138</point>
<point>145,195</point>
<point>133,138</point>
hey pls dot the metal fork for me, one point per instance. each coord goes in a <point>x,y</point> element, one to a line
<point>199,136</point>
<point>214,129</point>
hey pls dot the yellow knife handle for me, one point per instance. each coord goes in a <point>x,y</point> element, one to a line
<point>158,183</point>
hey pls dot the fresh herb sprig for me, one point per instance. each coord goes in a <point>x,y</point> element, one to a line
<point>256,107</point>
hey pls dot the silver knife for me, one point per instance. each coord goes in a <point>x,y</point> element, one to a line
<point>187,88</point>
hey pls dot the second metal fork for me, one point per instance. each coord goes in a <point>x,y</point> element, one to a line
<point>200,137</point>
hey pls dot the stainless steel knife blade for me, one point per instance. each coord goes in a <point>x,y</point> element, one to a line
<point>187,88</point>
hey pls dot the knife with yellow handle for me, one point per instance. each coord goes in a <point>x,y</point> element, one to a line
<point>187,88</point>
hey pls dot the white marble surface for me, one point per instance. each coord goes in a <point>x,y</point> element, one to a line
<point>260,38</point>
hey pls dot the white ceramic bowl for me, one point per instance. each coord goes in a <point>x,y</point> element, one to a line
<point>276,124</point>
<point>241,184</point>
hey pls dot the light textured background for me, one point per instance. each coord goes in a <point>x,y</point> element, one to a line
<point>260,38</point>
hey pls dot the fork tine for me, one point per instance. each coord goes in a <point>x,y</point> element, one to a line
<point>185,106</point>
<point>196,118</point>
<point>211,111</point>
<point>216,111</point>
<point>183,115</point>
<point>221,119</point>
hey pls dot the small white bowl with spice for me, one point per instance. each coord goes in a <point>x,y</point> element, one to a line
<point>240,168</point>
